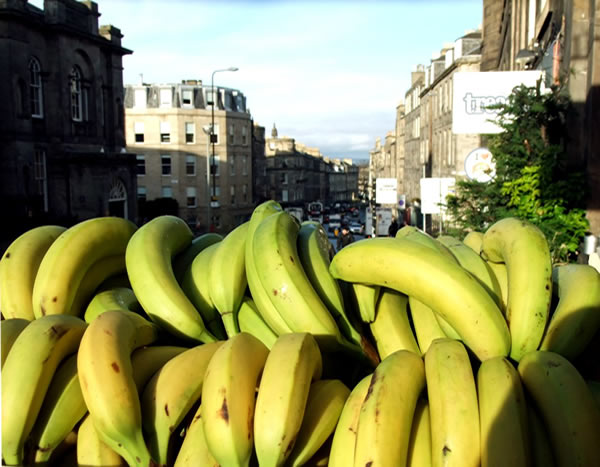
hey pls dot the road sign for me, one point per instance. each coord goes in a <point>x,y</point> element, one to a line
<point>386,191</point>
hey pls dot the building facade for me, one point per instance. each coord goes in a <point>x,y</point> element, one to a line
<point>168,128</point>
<point>62,139</point>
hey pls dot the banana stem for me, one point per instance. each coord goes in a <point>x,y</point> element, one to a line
<point>230,323</point>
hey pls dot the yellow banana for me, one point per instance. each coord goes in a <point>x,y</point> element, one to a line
<point>107,384</point>
<point>194,451</point>
<point>386,414</point>
<point>62,409</point>
<point>501,275</point>
<point>391,328</point>
<point>228,398</point>
<point>10,329</point>
<point>577,315</point>
<point>92,451</point>
<point>71,256</point>
<point>259,294</point>
<point>366,299</point>
<point>595,390</point>
<point>566,406</point>
<point>524,249</point>
<point>326,399</point>
<point>541,449</point>
<point>27,373</point>
<point>120,298</point>
<point>252,322</point>
<point>411,268</point>
<point>148,259</point>
<point>146,361</point>
<point>419,446</point>
<point>473,240</point>
<point>184,260</point>
<point>344,437</point>
<point>453,408</point>
<point>293,362</point>
<point>227,277</point>
<point>170,394</point>
<point>502,415</point>
<point>19,266</point>
<point>427,327</point>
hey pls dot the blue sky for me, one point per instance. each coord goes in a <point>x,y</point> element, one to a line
<point>329,73</point>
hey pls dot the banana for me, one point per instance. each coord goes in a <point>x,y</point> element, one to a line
<point>502,415</point>
<point>228,398</point>
<point>326,399</point>
<point>10,329</point>
<point>19,266</point>
<point>194,451</point>
<point>577,315</point>
<point>107,384</point>
<point>566,406</point>
<point>293,362</point>
<point>366,297</point>
<point>473,240</point>
<point>62,409</point>
<point>27,373</point>
<point>196,286</point>
<point>184,260</point>
<point>120,298</point>
<point>453,409</point>
<point>427,327</point>
<point>313,250</point>
<point>71,256</point>
<point>282,276</point>
<point>411,268</point>
<point>386,415</point>
<point>391,328</point>
<point>148,258</point>
<point>595,390</point>
<point>170,394</point>
<point>146,361</point>
<point>524,249</point>
<point>501,275</point>
<point>259,294</point>
<point>91,450</point>
<point>541,449</point>
<point>252,322</point>
<point>419,446</point>
<point>227,277</point>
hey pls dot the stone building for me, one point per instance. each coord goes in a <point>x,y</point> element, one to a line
<point>168,128</point>
<point>62,141</point>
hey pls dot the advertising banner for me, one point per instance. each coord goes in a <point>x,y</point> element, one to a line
<point>434,192</point>
<point>386,191</point>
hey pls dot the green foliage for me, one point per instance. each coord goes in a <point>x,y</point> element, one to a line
<point>533,179</point>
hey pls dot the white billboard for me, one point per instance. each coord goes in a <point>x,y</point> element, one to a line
<point>433,193</point>
<point>386,191</point>
<point>475,91</point>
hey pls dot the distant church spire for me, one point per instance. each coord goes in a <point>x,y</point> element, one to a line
<point>274,132</point>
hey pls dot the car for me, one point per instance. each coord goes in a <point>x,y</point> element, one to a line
<point>357,228</point>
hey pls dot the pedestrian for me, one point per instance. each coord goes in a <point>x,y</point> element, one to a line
<point>393,228</point>
<point>345,237</point>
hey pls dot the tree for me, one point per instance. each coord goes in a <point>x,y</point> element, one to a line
<point>534,179</point>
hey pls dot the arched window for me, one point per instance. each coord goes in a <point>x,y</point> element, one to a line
<point>76,100</point>
<point>35,88</point>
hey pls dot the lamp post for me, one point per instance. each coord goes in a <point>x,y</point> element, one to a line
<point>213,136</point>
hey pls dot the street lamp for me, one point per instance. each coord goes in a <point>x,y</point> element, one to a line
<point>213,136</point>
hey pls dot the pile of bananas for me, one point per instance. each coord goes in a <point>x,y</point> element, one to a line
<point>146,346</point>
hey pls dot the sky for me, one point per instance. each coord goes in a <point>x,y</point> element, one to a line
<point>327,73</point>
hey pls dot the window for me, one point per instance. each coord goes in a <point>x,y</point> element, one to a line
<point>231,138</point>
<point>165,132</point>
<point>216,165</point>
<point>284,179</point>
<point>139,132</point>
<point>139,98</point>
<point>245,191</point>
<point>284,196</point>
<point>190,164</point>
<point>232,192</point>
<point>35,88</point>
<point>187,96</point>
<point>166,96</point>
<point>165,163</point>
<point>141,193</point>
<point>39,174</point>
<point>244,165</point>
<point>190,131</point>
<point>76,95</point>
<point>141,164</point>
<point>244,136</point>
<point>166,191</point>
<point>190,193</point>
<point>231,165</point>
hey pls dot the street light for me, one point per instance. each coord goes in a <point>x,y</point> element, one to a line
<point>213,136</point>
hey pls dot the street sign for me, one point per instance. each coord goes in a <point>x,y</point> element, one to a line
<point>401,201</point>
<point>434,192</point>
<point>386,190</point>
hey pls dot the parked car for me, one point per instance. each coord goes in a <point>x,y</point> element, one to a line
<point>357,228</point>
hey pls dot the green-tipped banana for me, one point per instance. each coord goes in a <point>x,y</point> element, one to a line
<point>252,322</point>
<point>259,293</point>
<point>577,315</point>
<point>292,364</point>
<point>184,260</point>
<point>326,400</point>
<point>427,327</point>
<point>148,258</point>
<point>444,286</point>
<point>366,297</point>
<point>386,415</point>
<point>27,373</point>
<point>228,398</point>
<point>524,249</point>
<point>92,451</point>
<point>194,451</point>
<point>9,331</point>
<point>71,256</point>
<point>170,394</point>
<point>120,298</point>
<point>473,241</point>
<point>62,409</point>
<point>146,361</point>
<point>391,328</point>
<point>19,266</point>
<point>566,406</point>
<point>419,446</point>
<point>227,277</point>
